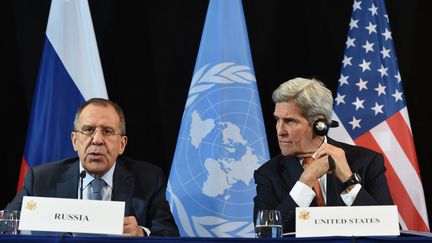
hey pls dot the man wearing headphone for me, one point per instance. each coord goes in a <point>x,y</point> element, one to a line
<point>313,169</point>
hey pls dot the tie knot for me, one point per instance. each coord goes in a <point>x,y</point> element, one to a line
<point>307,161</point>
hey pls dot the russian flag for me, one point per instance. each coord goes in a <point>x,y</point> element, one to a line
<point>70,73</point>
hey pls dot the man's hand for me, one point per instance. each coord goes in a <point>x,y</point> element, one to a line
<point>321,165</point>
<point>342,169</point>
<point>131,227</point>
<point>314,171</point>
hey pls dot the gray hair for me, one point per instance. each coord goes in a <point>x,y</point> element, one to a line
<point>311,95</point>
<point>105,103</point>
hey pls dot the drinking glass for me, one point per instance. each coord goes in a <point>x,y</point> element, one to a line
<point>9,220</point>
<point>268,224</point>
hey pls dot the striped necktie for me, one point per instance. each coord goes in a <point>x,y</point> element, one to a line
<point>97,185</point>
<point>319,198</point>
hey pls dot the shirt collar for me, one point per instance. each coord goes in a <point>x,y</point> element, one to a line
<point>314,154</point>
<point>107,177</point>
<point>325,141</point>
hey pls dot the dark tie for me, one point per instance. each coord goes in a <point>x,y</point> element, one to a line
<point>316,186</point>
<point>97,185</point>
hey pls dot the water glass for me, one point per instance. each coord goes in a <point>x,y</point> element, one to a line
<point>9,220</point>
<point>268,224</point>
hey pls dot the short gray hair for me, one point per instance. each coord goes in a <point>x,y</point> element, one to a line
<point>102,102</point>
<point>311,95</point>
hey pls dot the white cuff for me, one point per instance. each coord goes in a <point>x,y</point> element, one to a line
<point>302,194</point>
<point>349,197</point>
<point>146,230</point>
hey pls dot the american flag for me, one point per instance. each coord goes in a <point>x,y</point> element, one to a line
<point>370,106</point>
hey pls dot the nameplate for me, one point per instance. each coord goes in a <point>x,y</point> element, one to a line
<point>72,215</point>
<point>347,221</point>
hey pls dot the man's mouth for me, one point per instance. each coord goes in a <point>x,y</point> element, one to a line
<point>96,155</point>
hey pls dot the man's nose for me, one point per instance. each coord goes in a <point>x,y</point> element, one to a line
<point>280,129</point>
<point>97,138</point>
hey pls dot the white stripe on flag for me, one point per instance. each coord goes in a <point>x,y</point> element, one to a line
<point>77,47</point>
<point>404,113</point>
<point>401,164</point>
<point>340,133</point>
<point>402,222</point>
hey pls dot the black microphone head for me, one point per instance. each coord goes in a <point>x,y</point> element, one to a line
<point>334,123</point>
<point>83,174</point>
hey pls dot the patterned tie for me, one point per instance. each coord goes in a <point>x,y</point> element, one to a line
<point>319,198</point>
<point>97,185</point>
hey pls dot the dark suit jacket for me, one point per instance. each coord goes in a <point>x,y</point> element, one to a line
<point>275,179</point>
<point>139,184</point>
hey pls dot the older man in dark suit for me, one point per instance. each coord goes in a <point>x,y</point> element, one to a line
<point>312,169</point>
<point>99,137</point>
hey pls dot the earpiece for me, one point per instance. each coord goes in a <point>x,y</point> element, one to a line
<point>320,127</point>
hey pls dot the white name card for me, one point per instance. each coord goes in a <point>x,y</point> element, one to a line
<point>71,215</point>
<point>347,221</point>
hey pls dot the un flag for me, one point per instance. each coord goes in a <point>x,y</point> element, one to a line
<point>222,136</point>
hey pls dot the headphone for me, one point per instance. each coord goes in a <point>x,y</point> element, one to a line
<point>321,127</point>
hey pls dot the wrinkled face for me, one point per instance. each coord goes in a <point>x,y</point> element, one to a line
<point>98,140</point>
<point>294,131</point>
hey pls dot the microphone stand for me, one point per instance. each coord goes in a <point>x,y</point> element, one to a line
<point>82,175</point>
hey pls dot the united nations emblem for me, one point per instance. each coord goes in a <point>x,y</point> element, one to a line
<point>221,142</point>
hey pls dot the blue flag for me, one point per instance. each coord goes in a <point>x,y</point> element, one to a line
<point>222,136</point>
<point>370,106</point>
<point>70,73</point>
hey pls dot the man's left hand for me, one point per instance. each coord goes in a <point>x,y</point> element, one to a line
<point>131,227</point>
<point>342,169</point>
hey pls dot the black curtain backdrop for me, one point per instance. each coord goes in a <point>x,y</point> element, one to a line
<point>148,51</point>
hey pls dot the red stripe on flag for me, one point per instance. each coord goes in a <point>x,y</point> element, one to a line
<point>23,171</point>
<point>400,196</point>
<point>404,137</point>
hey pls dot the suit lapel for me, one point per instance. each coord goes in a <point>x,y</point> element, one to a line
<point>292,171</point>
<point>123,186</point>
<point>67,187</point>
<point>291,175</point>
<point>334,185</point>
<point>334,189</point>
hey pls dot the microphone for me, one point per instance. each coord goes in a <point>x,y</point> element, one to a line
<point>334,123</point>
<point>82,175</point>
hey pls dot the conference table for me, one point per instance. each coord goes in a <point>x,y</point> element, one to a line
<point>119,239</point>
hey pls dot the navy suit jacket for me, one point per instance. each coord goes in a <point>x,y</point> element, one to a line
<point>139,184</point>
<point>275,179</point>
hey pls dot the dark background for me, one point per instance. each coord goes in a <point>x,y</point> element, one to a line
<point>148,51</point>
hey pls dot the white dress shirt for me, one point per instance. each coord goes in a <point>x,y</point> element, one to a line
<point>303,194</point>
<point>106,190</point>
<point>88,190</point>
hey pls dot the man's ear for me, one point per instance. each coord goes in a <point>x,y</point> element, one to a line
<point>123,144</point>
<point>73,139</point>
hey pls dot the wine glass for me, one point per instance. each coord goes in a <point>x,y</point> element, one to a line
<point>9,220</point>
<point>268,224</point>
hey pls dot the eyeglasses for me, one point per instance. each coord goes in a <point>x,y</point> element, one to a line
<point>104,131</point>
